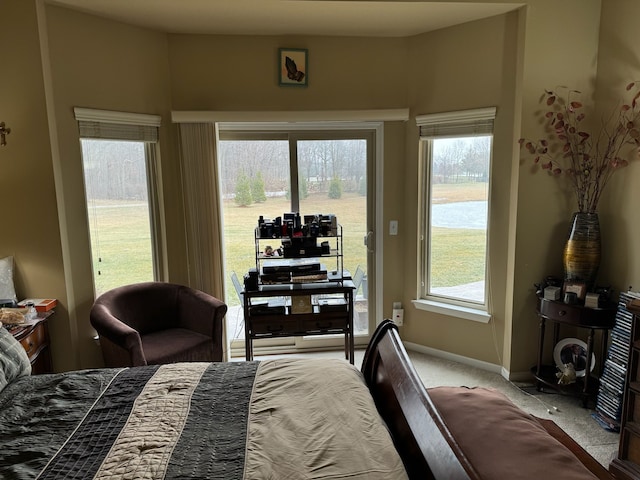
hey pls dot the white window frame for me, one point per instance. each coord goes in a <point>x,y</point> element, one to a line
<point>114,125</point>
<point>448,125</point>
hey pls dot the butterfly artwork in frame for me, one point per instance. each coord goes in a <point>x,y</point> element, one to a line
<point>293,67</point>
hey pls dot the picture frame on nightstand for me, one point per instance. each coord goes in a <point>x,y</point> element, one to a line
<point>577,287</point>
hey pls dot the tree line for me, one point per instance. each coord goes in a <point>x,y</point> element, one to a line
<point>114,170</point>
<point>461,160</point>
<point>252,170</point>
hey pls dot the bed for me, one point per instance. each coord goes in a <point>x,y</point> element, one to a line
<point>272,419</point>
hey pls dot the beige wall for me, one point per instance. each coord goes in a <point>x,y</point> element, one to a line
<point>29,230</point>
<point>394,181</point>
<point>213,72</point>
<point>543,207</point>
<point>440,82</point>
<point>506,61</point>
<point>618,65</point>
<point>103,65</point>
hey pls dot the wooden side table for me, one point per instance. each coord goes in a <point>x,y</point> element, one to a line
<point>35,340</point>
<point>288,323</point>
<point>579,316</point>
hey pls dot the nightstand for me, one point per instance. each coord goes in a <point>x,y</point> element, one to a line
<point>591,319</point>
<point>35,340</point>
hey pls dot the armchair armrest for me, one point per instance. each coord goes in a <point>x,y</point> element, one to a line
<point>122,339</point>
<point>200,312</point>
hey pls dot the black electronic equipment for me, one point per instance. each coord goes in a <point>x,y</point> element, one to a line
<point>251,280</point>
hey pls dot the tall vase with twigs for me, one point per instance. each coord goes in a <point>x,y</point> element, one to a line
<point>588,161</point>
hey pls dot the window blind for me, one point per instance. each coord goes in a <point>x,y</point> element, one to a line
<point>109,125</point>
<point>453,124</point>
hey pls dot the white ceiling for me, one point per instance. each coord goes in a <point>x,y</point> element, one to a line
<point>290,17</point>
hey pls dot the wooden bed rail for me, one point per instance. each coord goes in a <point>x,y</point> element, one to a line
<point>423,441</point>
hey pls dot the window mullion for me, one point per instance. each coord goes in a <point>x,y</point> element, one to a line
<point>293,173</point>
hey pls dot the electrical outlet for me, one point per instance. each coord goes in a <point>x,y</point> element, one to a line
<point>398,316</point>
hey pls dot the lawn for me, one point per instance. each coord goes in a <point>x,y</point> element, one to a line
<point>459,192</point>
<point>123,258</point>
<point>239,224</point>
<point>457,257</point>
<point>120,244</point>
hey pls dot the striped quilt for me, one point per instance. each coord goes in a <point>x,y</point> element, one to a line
<point>276,419</point>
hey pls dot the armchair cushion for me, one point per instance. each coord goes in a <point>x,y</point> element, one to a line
<point>185,346</point>
<point>156,323</point>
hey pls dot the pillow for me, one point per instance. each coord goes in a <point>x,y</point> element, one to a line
<point>14,362</point>
<point>7,290</point>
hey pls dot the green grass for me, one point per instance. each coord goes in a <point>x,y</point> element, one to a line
<point>459,192</point>
<point>457,256</point>
<point>126,258</point>
<point>239,224</point>
<point>121,252</point>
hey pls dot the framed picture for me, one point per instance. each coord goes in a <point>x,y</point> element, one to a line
<point>579,288</point>
<point>293,67</point>
<point>573,350</point>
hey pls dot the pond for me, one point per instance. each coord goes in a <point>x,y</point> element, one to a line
<point>460,215</point>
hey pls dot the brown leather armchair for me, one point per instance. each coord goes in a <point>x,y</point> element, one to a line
<point>157,323</point>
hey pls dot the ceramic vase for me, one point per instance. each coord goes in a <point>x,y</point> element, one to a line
<point>581,256</point>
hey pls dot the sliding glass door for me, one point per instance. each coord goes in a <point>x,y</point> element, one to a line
<point>267,173</point>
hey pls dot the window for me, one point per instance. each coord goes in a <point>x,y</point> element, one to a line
<point>455,154</point>
<point>119,166</point>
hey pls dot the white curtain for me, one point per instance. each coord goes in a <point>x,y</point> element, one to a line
<point>202,210</point>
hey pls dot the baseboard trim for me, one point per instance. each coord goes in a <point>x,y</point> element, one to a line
<point>237,353</point>
<point>486,366</point>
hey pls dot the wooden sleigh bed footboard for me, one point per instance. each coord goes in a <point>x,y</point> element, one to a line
<point>459,433</point>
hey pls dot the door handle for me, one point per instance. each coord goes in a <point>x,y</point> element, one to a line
<point>369,241</point>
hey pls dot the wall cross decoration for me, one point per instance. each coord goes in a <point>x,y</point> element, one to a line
<point>4,131</point>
